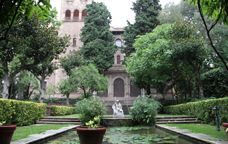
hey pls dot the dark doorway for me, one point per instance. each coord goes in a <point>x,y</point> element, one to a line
<point>119,88</point>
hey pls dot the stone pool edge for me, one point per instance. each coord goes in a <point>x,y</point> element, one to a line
<point>38,138</point>
<point>189,135</point>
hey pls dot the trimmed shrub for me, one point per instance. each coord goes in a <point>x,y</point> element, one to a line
<point>202,109</point>
<point>21,113</point>
<point>61,110</point>
<point>144,110</point>
<point>88,108</point>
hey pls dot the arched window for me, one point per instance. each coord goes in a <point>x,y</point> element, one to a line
<point>74,42</point>
<point>118,59</point>
<point>67,14</point>
<point>76,15</point>
<point>84,14</point>
<point>119,87</point>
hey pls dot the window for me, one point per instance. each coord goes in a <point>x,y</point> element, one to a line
<point>74,42</point>
<point>118,59</point>
<point>76,15</point>
<point>67,14</point>
<point>84,14</point>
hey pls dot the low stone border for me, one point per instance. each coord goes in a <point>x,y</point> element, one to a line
<point>201,138</point>
<point>110,121</point>
<point>39,138</point>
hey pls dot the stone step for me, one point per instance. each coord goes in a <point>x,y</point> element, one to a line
<point>177,119</point>
<point>50,117</point>
<point>176,122</point>
<point>55,122</point>
<point>173,117</point>
<point>60,120</point>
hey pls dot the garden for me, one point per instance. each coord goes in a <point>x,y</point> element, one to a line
<point>179,50</point>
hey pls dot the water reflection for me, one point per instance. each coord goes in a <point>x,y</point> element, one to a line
<point>127,135</point>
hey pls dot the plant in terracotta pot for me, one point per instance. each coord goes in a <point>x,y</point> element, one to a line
<point>225,125</point>
<point>6,132</point>
<point>91,111</point>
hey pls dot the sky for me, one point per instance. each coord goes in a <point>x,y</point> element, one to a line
<point>120,9</point>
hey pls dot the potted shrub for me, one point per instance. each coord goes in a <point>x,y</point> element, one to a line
<point>91,111</point>
<point>6,133</point>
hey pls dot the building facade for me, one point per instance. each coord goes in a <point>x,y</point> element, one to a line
<point>120,86</point>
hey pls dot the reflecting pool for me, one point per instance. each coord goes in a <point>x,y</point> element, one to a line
<point>127,135</point>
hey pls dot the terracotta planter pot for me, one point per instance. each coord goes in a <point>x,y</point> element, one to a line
<point>6,133</point>
<point>91,135</point>
<point>225,125</point>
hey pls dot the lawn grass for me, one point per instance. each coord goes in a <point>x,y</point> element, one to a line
<point>25,131</point>
<point>202,128</point>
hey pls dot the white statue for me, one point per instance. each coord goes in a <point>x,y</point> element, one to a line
<point>117,109</point>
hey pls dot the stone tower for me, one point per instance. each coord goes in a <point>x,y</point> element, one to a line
<point>72,16</point>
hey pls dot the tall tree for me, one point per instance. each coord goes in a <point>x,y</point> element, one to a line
<point>88,79</point>
<point>43,46</point>
<point>171,55</point>
<point>65,87</point>
<point>146,13</point>
<point>98,47</point>
<point>72,61</point>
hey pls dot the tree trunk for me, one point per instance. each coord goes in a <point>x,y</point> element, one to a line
<point>148,91</point>
<point>42,88</point>
<point>6,83</point>
<point>67,99</point>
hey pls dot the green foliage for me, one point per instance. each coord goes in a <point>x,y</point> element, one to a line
<point>215,83</point>
<point>88,79</point>
<point>213,8</point>
<point>61,110</point>
<point>71,61</point>
<point>6,111</point>
<point>65,87</point>
<point>26,84</point>
<point>21,112</point>
<point>150,59</point>
<point>144,110</point>
<point>169,56</point>
<point>220,36</point>
<point>88,108</point>
<point>94,123</point>
<point>202,109</point>
<point>15,10</point>
<point>97,39</point>
<point>146,13</point>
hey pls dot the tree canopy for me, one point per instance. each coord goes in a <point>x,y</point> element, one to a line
<point>98,47</point>
<point>12,10</point>
<point>146,13</point>
<point>88,79</point>
<point>172,54</point>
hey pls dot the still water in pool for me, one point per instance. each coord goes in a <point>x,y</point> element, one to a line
<point>127,135</point>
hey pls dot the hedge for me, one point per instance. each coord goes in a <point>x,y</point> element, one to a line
<point>61,110</point>
<point>21,113</point>
<point>202,109</point>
